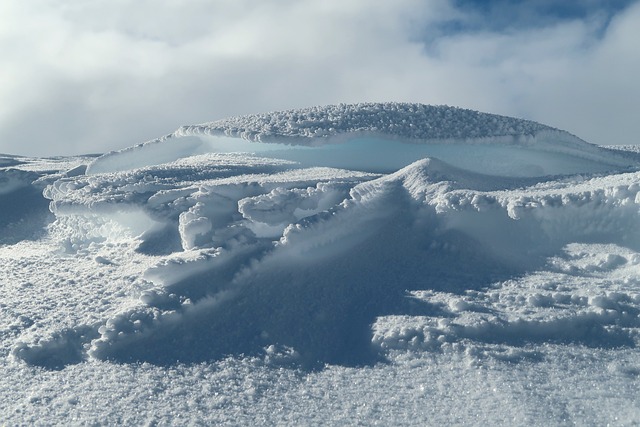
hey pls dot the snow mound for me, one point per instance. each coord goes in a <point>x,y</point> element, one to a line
<point>318,233</point>
<point>172,206</point>
<point>309,259</point>
<point>399,120</point>
<point>381,138</point>
<point>491,264</point>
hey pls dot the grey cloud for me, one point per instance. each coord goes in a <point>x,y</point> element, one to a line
<point>95,77</point>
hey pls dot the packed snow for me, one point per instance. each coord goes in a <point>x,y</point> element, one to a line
<point>351,264</point>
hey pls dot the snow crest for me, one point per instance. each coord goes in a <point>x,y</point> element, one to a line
<point>368,136</point>
<point>400,120</point>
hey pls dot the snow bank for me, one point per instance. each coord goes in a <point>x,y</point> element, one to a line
<point>497,273</point>
<point>415,122</point>
<point>277,261</point>
<point>23,210</point>
<point>381,138</point>
<point>194,197</point>
<point>320,221</point>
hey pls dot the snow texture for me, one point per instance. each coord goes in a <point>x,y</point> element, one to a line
<point>377,125</point>
<point>351,264</point>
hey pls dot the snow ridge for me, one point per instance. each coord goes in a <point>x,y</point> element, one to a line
<point>416,122</point>
<point>498,266</point>
<point>382,137</point>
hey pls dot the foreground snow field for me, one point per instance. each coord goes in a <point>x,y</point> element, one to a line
<point>354,264</point>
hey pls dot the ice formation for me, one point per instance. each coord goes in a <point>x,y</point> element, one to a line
<point>344,235</point>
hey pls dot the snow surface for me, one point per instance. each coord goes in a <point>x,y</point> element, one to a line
<point>353,264</point>
<point>366,136</point>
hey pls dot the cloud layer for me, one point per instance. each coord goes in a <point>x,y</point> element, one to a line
<point>80,77</point>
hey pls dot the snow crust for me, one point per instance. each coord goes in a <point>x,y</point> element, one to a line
<point>384,137</point>
<point>346,264</point>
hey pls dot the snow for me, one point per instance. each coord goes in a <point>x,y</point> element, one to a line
<point>366,136</point>
<point>351,264</point>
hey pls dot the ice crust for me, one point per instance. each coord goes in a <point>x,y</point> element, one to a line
<point>418,232</point>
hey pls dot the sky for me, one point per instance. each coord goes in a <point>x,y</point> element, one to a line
<point>92,76</point>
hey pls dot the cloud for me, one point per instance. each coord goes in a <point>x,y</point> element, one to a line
<point>94,76</point>
<point>514,15</point>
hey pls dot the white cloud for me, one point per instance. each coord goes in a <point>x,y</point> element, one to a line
<point>93,76</point>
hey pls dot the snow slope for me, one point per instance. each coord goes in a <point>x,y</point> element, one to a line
<point>349,264</point>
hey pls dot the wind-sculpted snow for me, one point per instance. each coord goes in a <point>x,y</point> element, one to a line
<point>398,120</point>
<point>23,210</point>
<point>383,138</point>
<point>150,201</point>
<point>309,259</point>
<point>304,247</point>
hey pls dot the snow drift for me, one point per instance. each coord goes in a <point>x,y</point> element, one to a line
<point>336,234</point>
<point>380,137</point>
